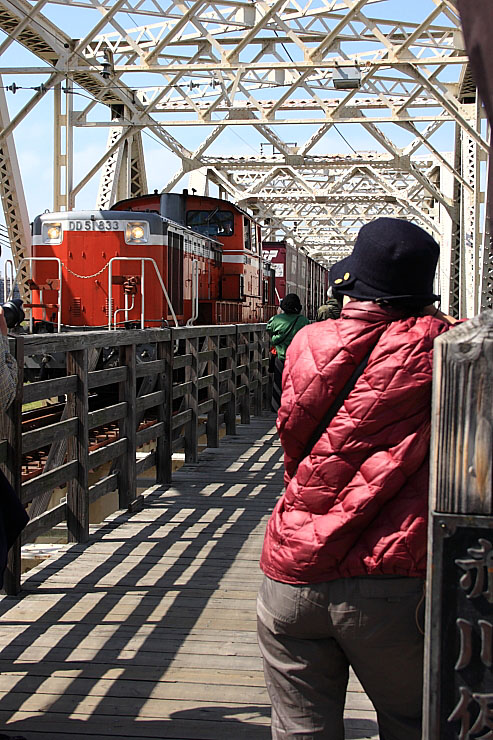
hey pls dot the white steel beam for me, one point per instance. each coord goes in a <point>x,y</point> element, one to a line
<point>63,149</point>
<point>272,67</point>
<point>13,200</point>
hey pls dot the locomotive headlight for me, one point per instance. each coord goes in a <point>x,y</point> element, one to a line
<point>137,232</point>
<point>52,233</point>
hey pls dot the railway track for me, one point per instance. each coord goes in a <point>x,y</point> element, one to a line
<point>33,463</point>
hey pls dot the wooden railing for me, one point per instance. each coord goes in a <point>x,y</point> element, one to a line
<point>185,383</point>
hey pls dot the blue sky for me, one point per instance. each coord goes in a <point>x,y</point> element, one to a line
<point>34,143</point>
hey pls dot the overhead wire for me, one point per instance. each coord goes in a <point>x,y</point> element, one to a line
<point>292,60</point>
<point>96,67</point>
<point>343,137</point>
<point>13,87</point>
<point>91,97</point>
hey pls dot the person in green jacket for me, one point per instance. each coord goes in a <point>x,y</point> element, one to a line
<point>281,329</point>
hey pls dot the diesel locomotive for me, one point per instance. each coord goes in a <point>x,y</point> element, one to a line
<point>156,260</point>
<point>162,259</point>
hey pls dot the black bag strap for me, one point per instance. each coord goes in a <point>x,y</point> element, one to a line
<point>338,401</point>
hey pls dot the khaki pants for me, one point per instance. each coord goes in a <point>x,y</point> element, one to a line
<point>310,635</point>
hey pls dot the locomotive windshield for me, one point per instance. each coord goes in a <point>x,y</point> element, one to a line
<point>211,223</point>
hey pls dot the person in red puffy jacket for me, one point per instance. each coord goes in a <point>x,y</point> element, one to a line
<point>344,554</point>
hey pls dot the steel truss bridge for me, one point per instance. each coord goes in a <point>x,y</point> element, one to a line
<point>335,72</point>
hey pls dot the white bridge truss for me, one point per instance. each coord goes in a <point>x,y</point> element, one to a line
<point>335,72</point>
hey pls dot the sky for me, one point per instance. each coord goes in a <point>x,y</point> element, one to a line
<point>34,136</point>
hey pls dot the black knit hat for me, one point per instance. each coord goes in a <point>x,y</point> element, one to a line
<point>291,303</point>
<point>392,260</point>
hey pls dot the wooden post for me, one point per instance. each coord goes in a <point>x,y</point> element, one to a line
<point>213,393</point>
<point>231,362</point>
<point>459,610</point>
<point>12,431</point>
<point>244,360</point>
<point>127,490</point>
<point>192,402</point>
<point>164,444</point>
<point>257,372</point>
<point>78,449</point>
<point>266,375</point>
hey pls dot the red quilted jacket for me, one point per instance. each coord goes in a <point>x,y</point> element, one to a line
<point>357,505</point>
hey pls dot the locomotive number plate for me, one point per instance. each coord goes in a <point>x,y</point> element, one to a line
<point>89,225</point>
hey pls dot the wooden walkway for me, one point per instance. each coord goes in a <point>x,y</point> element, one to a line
<point>149,630</point>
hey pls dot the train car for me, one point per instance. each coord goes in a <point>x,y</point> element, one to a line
<point>320,284</point>
<point>296,272</point>
<point>155,260</point>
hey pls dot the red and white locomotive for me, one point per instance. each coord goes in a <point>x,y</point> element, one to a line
<point>153,260</point>
<point>159,259</point>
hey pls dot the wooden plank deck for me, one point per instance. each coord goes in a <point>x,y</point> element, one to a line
<point>149,630</point>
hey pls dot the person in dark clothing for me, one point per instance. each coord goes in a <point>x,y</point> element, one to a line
<point>281,329</point>
<point>13,517</point>
<point>331,309</point>
<point>8,367</point>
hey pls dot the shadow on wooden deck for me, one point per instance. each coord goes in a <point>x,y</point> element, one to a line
<point>148,631</point>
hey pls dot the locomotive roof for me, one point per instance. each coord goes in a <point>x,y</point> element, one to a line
<point>187,195</point>
<point>228,202</point>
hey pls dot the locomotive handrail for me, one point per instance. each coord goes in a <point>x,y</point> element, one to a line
<point>8,293</point>
<point>142,260</point>
<point>59,291</point>
<point>126,308</point>
<point>195,293</point>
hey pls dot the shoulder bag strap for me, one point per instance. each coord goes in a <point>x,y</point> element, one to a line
<point>288,331</point>
<point>338,401</point>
